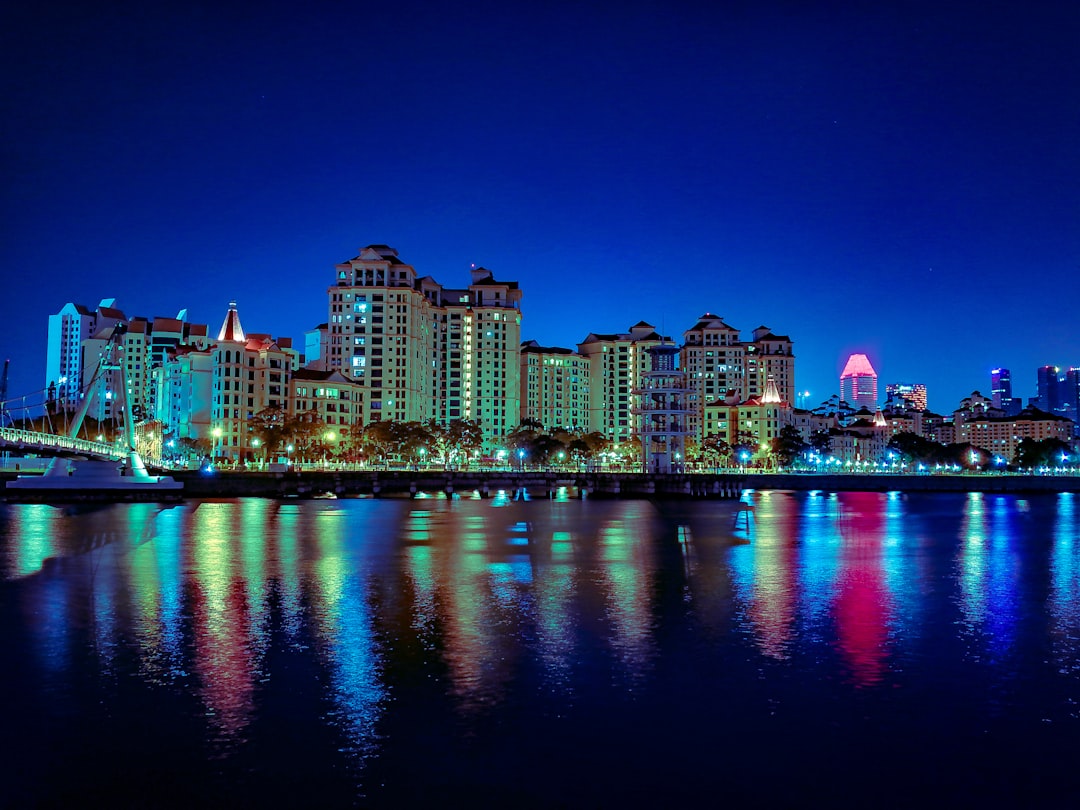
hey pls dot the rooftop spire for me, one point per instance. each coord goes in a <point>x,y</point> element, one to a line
<point>231,329</point>
<point>772,394</point>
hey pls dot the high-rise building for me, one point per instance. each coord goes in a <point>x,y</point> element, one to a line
<point>65,360</point>
<point>1048,396</point>
<point>419,351</point>
<point>617,365</point>
<point>250,373</point>
<point>717,362</point>
<point>905,396</point>
<point>714,359</point>
<point>858,382</point>
<point>554,387</point>
<point>1001,392</point>
<point>769,357</point>
<point>662,411</point>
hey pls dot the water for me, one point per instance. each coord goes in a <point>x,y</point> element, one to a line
<point>852,649</point>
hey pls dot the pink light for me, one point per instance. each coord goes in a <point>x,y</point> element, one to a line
<point>858,365</point>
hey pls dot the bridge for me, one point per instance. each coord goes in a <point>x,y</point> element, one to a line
<point>23,439</point>
<point>51,444</point>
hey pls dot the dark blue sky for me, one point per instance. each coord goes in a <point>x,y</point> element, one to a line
<point>899,179</point>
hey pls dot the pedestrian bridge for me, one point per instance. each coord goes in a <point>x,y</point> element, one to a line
<point>30,441</point>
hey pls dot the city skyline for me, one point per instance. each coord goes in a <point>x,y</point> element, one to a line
<point>872,181</point>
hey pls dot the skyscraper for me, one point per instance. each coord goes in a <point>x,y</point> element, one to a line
<point>1048,397</point>
<point>1001,392</point>
<point>906,396</point>
<point>858,382</point>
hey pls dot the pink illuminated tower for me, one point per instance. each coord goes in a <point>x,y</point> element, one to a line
<point>858,383</point>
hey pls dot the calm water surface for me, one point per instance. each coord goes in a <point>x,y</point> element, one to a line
<point>852,649</point>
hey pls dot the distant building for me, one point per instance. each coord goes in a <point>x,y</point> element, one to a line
<point>554,387</point>
<point>420,351</point>
<point>617,366</point>
<point>1001,392</point>
<point>717,361</point>
<point>1049,389</point>
<point>65,363</point>
<point>905,396</point>
<point>662,410</point>
<point>858,382</point>
<point>1001,435</point>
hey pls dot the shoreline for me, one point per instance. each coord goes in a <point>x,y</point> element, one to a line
<point>406,483</point>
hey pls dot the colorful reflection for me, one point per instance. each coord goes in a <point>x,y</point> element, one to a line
<point>988,568</point>
<point>1064,598</point>
<point>345,631</point>
<point>224,658</point>
<point>497,608</point>
<point>862,606</point>
<point>766,574</point>
<point>625,546</point>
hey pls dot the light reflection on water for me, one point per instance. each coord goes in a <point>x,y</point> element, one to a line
<point>485,607</point>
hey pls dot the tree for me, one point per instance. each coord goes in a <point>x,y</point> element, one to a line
<point>1044,453</point>
<point>821,442</point>
<point>268,426</point>
<point>788,446</point>
<point>463,437</point>
<point>915,448</point>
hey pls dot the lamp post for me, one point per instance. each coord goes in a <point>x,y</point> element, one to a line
<point>521,459</point>
<point>216,449</point>
<point>288,451</point>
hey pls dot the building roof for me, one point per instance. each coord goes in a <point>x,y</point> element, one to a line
<point>231,328</point>
<point>532,347</point>
<point>314,375</point>
<point>858,365</point>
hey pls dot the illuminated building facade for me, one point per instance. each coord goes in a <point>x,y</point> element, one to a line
<point>756,421</point>
<point>554,387</point>
<point>67,365</point>
<point>662,411</point>
<point>858,383</point>
<point>769,357</point>
<point>617,367</point>
<point>905,396</point>
<point>327,397</point>
<point>419,351</point>
<point>717,361</point>
<point>250,373</point>
<point>714,359</point>
<point>1001,392</point>
<point>1001,435</point>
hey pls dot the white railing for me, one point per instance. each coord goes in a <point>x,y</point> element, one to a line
<point>32,440</point>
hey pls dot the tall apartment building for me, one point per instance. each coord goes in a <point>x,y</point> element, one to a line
<point>717,361</point>
<point>858,382</point>
<point>769,357</point>
<point>250,372</point>
<point>714,359</point>
<point>67,368</point>
<point>554,387</point>
<point>617,366</point>
<point>419,351</point>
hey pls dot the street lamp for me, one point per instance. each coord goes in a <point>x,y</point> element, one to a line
<point>217,442</point>
<point>521,459</point>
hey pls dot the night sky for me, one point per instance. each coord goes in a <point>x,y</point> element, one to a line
<point>897,179</point>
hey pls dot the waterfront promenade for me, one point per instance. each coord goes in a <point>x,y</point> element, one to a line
<point>602,484</point>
